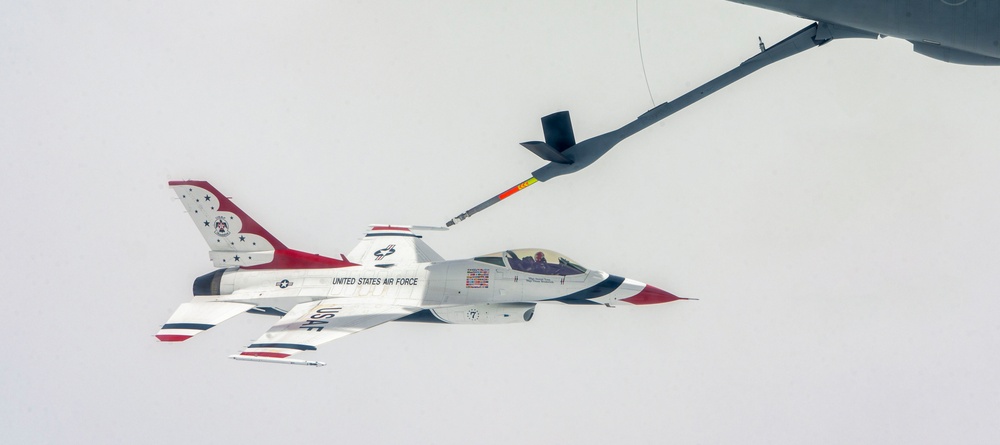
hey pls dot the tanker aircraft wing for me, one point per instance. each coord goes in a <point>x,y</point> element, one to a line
<point>311,324</point>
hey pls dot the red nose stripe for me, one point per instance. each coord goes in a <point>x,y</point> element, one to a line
<point>651,295</point>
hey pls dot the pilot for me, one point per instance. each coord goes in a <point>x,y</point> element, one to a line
<point>536,264</point>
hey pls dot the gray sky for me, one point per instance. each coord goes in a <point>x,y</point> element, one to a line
<point>836,214</point>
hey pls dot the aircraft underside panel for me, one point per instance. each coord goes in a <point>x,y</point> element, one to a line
<point>497,313</point>
<point>966,25</point>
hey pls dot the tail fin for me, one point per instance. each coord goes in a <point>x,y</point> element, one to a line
<point>234,238</point>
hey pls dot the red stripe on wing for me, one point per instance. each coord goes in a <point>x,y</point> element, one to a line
<point>172,337</point>
<point>265,354</point>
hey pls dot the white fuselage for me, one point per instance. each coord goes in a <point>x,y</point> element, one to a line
<point>423,285</point>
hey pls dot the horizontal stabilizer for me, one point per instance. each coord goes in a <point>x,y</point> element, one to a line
<point>546,152</point>
<point>193,318</point>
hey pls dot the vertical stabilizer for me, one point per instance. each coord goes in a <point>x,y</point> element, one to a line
<point>234,238</point>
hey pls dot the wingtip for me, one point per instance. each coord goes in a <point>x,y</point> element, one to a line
<point>171,338</point>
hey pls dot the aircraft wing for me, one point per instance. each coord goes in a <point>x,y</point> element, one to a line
<point>385,245</point>
<point>311,324</point>
<point>198,316</point>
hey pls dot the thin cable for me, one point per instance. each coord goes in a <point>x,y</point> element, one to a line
<point>642,60</point>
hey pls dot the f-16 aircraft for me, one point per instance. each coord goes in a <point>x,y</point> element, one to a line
<point>955,31</point>
<point>391,275</point>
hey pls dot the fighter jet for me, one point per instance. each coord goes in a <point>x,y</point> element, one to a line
<point>955,31</point>
<point>391,275</point>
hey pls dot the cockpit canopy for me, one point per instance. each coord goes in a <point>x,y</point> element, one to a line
<point>536,261</point>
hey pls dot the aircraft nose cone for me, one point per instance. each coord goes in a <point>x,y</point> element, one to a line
<point>652,295</point>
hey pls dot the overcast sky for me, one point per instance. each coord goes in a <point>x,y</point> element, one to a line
<point>836,214</point>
